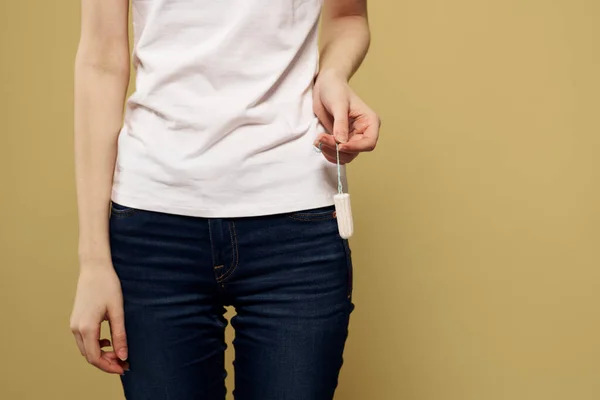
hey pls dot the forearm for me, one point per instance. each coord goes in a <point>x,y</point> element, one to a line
<point>101,79</point>
<point>345,41</point>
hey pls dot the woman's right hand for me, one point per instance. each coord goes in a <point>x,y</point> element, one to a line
<point>99,298</point>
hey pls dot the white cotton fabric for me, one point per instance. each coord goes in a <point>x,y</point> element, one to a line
<point>221,123</point>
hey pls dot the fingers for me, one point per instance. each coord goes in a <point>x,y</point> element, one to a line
<point>79,341</point>
<point>324,117</point>
<point>331,156</point>
<point>90,335</point>
<point>117,331</point>
<point>111,356</point>
<point>365,140</point>
<point>93,354</point>
<point>326,140</point>
<point>109,363</point>
<point>362,145</point>
<point>340,122</point>
<point>335,119</point>
<point>328,149</point>
<point>87,338</point>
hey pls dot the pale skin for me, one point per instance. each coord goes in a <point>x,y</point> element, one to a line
<point>101,79</point>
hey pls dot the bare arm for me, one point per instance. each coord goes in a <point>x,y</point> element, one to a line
<point>345,36</point>
<point>101,78</point>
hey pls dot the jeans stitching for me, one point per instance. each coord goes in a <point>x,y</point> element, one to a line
<point>313,217</point>
<point>235,255</point>
<point>122,213</point>
<point>212,251</point>
<point>349,267</point>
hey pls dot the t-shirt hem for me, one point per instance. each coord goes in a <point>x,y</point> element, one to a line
<point>231,211</point>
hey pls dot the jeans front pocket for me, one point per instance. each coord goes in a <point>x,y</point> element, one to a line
<point>120,211</point>
<point>317,214</point>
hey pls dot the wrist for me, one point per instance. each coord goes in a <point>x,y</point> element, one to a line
<point>94,257</point>
<point>95,266</point>
<point>335,73</point>
<point>88,261</point>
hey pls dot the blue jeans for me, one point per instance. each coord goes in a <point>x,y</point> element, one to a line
<point>289,277</point>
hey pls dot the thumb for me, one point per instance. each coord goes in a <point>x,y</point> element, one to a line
<point>340,122</point>
<point>116,320</point>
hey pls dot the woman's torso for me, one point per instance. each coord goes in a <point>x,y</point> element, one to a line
<point>221,122</point>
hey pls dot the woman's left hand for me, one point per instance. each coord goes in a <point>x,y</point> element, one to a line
<point>349,121</point>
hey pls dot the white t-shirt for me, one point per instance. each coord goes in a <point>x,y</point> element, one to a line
<point>221,123</point>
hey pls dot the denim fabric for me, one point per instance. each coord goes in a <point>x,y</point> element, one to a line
<point>289,277</point>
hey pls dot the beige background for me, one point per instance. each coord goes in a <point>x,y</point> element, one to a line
<point>477,247</point>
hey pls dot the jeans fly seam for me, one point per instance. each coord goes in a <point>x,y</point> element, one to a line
<point>212,251</point>
<point>235,256</point>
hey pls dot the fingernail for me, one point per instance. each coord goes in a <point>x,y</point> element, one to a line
<point>122,354</point>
